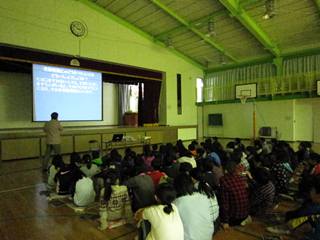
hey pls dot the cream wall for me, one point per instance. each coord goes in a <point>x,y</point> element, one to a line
<point>316,120</point>
<point>237,120</point>
<point>16,103</point>
<point>279,114</point>
<point>45,25</point>
<point>303,122</point>
<point>295,120</point>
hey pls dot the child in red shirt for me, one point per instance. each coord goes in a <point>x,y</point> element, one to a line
<point>156,174</point>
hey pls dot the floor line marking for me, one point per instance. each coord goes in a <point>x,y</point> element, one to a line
<point>20,188</point>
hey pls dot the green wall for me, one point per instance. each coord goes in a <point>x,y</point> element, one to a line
<point>295,120</point>
<point>45,24</point>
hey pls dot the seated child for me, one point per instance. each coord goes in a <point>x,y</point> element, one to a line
<point>75,159</point>
<point>263,192</point>
<point>57,163</point>
<point>198,211</point>
<point>115,206</point>
<point>281,172</point>
<point>66,178</point>
<point>192,149</point>
<point>142,189</point>
<point>96,159</point>
<point>316,169</point>
<point>156,174</point>
<point>234,199</point>
<point>89,169</point>
<point>84,192</point>
<point>164,218</point>
<point>308,213</point>
<point>147,157</point>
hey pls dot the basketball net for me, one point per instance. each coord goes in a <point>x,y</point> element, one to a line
<point>243,99</point>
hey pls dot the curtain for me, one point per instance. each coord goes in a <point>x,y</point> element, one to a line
<point>148,101</point>
<point>140,105</point>
<point>220,85</point>
<point>299,75</point>
<point>301,65</point>
<point>151,98</point>
<point>124,101</point>
<point>148,106</point>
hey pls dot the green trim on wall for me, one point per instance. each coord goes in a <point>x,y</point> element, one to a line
<point>142,33</point>
<point>265,98</point>
<point>208,40</point>
<point>244,18</point>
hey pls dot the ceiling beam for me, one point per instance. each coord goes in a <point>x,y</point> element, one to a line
<point>246,3</point>
<point>142,33</point>
<point>239,12</point>
<point>245,63</point>
<point>208,40</point>
<point>193,23</point>
<point>318,3</point>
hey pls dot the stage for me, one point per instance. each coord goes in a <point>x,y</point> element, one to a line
<point>30,143</point>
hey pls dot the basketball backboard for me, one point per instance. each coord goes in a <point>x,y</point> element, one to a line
<point>246,90</point>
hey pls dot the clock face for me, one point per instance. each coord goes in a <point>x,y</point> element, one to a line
<point>78,28</point>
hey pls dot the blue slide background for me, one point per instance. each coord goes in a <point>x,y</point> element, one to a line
<point>75,94</point>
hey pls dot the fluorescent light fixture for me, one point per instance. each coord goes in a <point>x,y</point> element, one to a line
<point>211,28</point>
<point>168,42</point>
<point>270,9</point>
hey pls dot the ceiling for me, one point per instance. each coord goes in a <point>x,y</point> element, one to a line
<point>219,33</point>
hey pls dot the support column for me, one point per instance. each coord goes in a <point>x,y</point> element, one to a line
<point>278,62</point>
<point>254,119</point>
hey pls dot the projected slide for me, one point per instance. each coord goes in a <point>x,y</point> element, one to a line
<point>75,94</point>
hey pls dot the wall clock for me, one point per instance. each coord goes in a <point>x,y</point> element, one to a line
<point>78,29</point>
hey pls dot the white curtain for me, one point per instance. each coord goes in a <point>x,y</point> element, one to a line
<point>299,76</point>
<point>220,85</point>
<point>301,65</point>
<point>124,101</point>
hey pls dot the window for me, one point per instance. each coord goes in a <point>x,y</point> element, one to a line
<point>199,90</point>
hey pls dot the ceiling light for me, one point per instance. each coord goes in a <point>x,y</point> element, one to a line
<point>270,9</point>
<point>223,59</point>
<point>211,28</point>
<point>206,63</point>
<point>168,42</point>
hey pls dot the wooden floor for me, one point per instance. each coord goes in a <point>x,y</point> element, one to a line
<point>25,214</point>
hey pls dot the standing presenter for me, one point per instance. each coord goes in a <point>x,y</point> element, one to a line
<point>53,131</point>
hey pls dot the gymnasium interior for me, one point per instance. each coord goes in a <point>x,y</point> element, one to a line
<point>170,70</point>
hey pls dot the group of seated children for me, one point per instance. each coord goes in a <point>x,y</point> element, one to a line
<point>187,193</point>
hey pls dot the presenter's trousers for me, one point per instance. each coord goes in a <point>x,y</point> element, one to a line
<point>50,148</point>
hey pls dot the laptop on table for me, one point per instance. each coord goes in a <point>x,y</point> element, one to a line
<point>117,137</point>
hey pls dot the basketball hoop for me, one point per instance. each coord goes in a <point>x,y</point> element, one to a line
<point>243,99</point>
<point>245,91</point>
